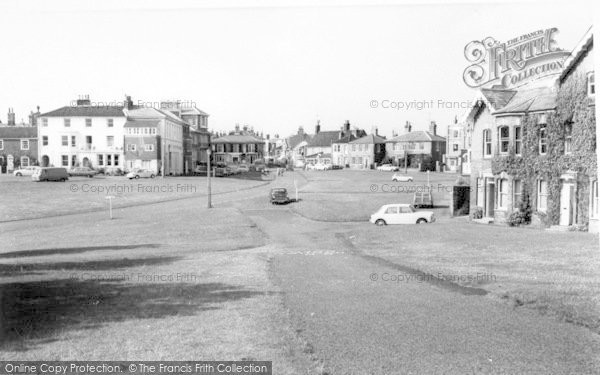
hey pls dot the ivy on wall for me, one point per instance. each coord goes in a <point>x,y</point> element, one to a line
<point>572,107</point>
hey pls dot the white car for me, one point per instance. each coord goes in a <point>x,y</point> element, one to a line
<point>401,214</point>
<point>140,173</point>
<point>25,171</point>
<point>401,178</point>
<point>388,168</point>
<point>322,167</point>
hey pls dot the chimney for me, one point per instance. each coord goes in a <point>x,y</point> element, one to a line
<point>407,127</point>
<point>237,128</point>
<point>318,127</point>
<point>300,130</point>
<point>11,117</point>
<point>346,126</point>
<point>268,137</point>
<point>83,100</point>
<point>433,128</point>
<point>128,102</point>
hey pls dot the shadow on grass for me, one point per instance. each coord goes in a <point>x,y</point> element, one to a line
<point>71,250</point>
<point>38,312</point>
<point>23,269</point>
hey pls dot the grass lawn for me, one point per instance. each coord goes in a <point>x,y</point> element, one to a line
<point>22,198</point>
<point>553,273</point>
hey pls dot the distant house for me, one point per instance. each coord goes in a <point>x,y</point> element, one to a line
<point>239,146</point>
<point>457,156</point>
<point>417,147</point>
<point>18,147</point>
<point>295,146</point>
<point>366,151</point>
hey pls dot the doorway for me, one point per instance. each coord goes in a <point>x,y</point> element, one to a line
<point>567,204</point>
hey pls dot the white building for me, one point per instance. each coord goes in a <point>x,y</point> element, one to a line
<point>82,135</point>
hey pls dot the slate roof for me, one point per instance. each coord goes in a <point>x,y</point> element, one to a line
<point>86,111</point>
<point>498,98</point>
<point>296,139</point>
<point>417,136</point>
<point>18,132</point>
<point>533,99</point>
<point>370,139</point>
<point>324,138</point>
<point>320,155</point>
<point>346,139</point>
<point>142,123</point>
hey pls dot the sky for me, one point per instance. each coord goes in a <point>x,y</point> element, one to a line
<point>272,65</point>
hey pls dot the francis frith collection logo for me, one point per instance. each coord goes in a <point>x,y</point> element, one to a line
<point>515,62</point>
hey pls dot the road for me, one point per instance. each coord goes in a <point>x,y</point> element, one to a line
<point>355,325</point>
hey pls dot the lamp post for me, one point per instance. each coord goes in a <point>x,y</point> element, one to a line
<point>208,152</point>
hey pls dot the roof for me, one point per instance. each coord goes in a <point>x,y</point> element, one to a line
<point>86,111</point>
<point>369,139</point>
<point>238,138</point>
<point>346,139</point>
<point>530,100</point>
<point>580,50</point>
<point>324,138</point>
<point>497,98</point>
<point>417,136</point>
<point>296,139</point>
<point>7,132</point>
<point>142,123</point>
<point>320,155</point>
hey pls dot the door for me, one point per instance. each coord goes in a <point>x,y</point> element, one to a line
<point>391,215</point>
<point>490,198</point>
<point>566,197</point>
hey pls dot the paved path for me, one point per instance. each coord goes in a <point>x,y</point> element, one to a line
<point>360,326</point>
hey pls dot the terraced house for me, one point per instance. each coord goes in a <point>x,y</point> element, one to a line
<point>534,148</point>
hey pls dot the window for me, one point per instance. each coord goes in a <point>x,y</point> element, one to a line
<point>64,160</point>
<point>45,140</point>
<point>518,140</point>
<point>503,193</point>
<point>568,138</point>
<point>110,141</point>
<point>130,147</point>
<point>591,85</point>
<point>391,210</point>
<point>73,160</point>
<point>88,122</point>
<point>44,122</point>
<point>24,144</point>
<point>116,160</point>
<point>65,140</point>
<point>504,135</point>
<point>487,142</point>
<point>24,161</point>
<point>73,141</point>
<point>543,141</point>
<point>455,147</point>
<point>455,134</point>
<point>109,159</point>
<point>100,159</point>
<point>149,147</point>
<point>422,146</point>
<point>67,122</point>
<point>1,144</point>
<point>542,195</point>
<point>405,210</point>
<point>594,214</point>
<point>110,123</point>
<point>517,192</point>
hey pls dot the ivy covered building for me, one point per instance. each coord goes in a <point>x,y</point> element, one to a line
<point>534,148</point>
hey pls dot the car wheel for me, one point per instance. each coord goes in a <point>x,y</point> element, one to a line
<point>151,176</point>
<point>380,222</point>
<point>421,221</point>
<point>136,177</point>
<point>19,174</point>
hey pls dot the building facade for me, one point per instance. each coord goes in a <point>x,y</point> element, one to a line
<point>456,149</point>
<point>418,148</point>
<point>18,147</point>
<point>366,152</point>
<point>82,135</point>
<point>242,146</point>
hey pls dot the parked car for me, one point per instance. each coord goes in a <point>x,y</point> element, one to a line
<point>401,214</point>
<point>322,167</point>
<point>200,170</point>
<point>223,172</point>
<point>111,171</point>
<point>50,174</point>
<point>140,173</point>
<point>422,199</point>
<point>401,178</point>
<point>388,168</point>
<point>25,171</point>
<point>310,167</point>
<point>279,196</point>
<point>82,171</point>
<point>243,168</point>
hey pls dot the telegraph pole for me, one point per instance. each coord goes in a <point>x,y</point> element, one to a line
<point>208,186</point>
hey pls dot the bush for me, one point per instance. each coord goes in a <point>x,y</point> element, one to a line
<point>477,213</point>
<point>578,228</point>
<point>518,218</point>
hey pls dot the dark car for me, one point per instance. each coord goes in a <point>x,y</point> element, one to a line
<point>82,171</point>
<point>279,196</point>
<point>223,172</point>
